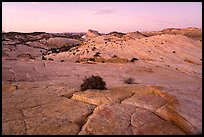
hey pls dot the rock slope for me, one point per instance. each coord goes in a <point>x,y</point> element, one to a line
<point>41,84</point>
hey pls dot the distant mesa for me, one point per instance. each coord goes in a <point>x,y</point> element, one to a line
<point>180,29</point>
<point>117,34</point>
<point>92,33</point>
<point>136,34</point>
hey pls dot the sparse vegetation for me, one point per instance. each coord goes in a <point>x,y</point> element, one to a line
<point>94,48</point>
<point>134,59</point>
<point>93,82</point>
<point>114,56</point>
<point>43,58</point>
<point>129,80</point>
<point>50,59</point>
<point>92,59</point>
<point>97,54</point>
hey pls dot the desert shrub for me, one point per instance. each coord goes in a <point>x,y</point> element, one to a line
<point>94,48</point>
<point>61,60</point>
<point>114,56</point>
<point>50,59</point>
<point>133,59</point>
<point>92,59</point>
<point>77,61</point>
<point>129,80</point>
<point>97,54</point>
<point>174,52</point>
<point>43,58</point>
<point>93,82</point>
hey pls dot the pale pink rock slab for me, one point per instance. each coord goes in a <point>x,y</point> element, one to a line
<point>148,101</point>
<point>109,119</point>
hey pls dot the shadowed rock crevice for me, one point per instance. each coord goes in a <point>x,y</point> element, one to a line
<point>82,123</point>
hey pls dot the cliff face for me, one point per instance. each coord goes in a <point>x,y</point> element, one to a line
<point>92,33</point>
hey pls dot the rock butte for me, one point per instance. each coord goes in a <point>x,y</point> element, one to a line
<point>42,95</point>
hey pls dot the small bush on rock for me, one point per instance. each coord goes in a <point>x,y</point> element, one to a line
<point>93,82</point>
<point>43,58</point>
<point>134,59</point>
<point>92,59</point>
<point>128,80</point>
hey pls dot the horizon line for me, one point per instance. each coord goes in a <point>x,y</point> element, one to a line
<point>99,32</point>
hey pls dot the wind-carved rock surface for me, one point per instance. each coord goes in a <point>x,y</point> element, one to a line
<point>42,95</point>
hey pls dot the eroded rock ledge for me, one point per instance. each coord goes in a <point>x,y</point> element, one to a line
<point>41,108</point>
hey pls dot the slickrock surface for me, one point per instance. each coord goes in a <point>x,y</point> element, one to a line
<point>120,119</point>
<point>41,84</point>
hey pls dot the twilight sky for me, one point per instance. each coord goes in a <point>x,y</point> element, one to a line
<point>101,16</point>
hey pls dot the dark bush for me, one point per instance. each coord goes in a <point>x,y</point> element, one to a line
<point>50,59</point>
<point>133,59</point>
<point>97,54</point>
<point>77,61</point>
<point>92,59</point>
<point>93,82</point>
<point>94,48</point>
<point>114,56</point>
<point>62,60</point>
<point>128,80</point>
<point>43,58</point>
<point>174,52</point>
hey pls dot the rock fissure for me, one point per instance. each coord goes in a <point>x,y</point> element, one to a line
<point>84,122</point>
<point>12,72</point>
<point>23,119</point>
